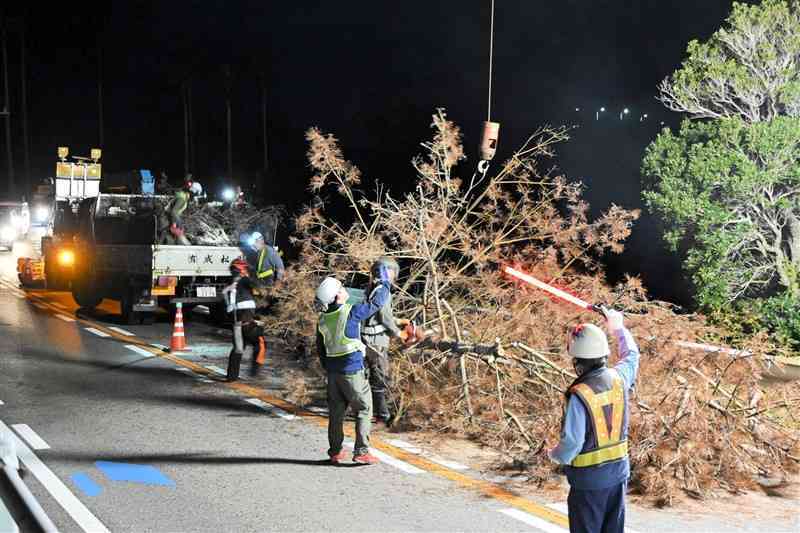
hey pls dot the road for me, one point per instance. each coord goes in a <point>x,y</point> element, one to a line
<point>119,435</point>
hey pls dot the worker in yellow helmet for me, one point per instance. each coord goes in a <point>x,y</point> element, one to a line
<point>594,433</point>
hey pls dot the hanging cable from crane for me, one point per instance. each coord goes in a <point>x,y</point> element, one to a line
<point>491,130</point>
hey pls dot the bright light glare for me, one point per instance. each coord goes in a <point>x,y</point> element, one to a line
<point>626,110</point>
<point>228,194</point>
<point>8,233</point>
<point>42,213</point>
<point>602,109</point>
<point>17,221</point>
<point>66,258</point>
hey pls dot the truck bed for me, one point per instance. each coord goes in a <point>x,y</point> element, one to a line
<point>166,260</point>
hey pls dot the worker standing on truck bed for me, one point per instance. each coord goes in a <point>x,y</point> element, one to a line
<point>594,434</point>
<point>178,206</point>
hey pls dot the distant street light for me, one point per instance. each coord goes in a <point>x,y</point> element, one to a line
<point>643,118</point>
<point>624,112</point>
<point>597,113</point>
<point>577,109</point>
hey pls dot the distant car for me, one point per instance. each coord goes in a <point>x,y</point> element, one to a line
<point>15,221</point>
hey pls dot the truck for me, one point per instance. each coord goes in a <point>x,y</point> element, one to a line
<point>118,256</point>
<point>14,223</point>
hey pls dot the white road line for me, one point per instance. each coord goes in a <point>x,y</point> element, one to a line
<point>452,465</point>
<point>97,332</point>
<point>271,408</point>
<point>123,331</point>
<point>72,505</point>
<point>65,318</point>
<point>406,446</point>
<point>184,370</point>
<point>217,370</point>
<point>561,507</point>
<point>389,460</point>
<point>535,521</point>
<point>140,351</point>
<point>205,380</point>
<point>31,437</point>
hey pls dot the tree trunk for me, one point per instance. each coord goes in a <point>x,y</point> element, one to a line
<point>792,266</point>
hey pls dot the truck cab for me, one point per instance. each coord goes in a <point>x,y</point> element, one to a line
<point>15,221</point>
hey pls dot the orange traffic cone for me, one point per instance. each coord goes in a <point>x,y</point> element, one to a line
<point>178,341</point>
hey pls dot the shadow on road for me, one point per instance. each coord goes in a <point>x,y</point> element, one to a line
<point>205,458</point>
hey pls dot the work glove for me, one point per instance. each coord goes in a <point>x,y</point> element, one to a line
<point>403,335</point>
<point>614,319</point>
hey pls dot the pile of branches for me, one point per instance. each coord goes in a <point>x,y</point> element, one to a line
<point>213,224</point>
<point>495,367</point>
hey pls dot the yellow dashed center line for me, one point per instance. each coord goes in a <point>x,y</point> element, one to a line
<point>486,488</point>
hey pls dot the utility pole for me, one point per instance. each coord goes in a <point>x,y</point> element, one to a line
<point>189,105</point>
<point>186,134</point>
<point>10,185</point>
<point>23,81</point>
<point>263,87</point>
<point>228,109</point>
<point>100,124</point>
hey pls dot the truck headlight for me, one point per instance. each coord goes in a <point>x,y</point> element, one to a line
<point>66,258</point>
<point>8,233</point>
<point>42,213</point>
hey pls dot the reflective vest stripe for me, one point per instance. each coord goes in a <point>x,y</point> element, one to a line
<point>266,273</point>
<point>599,456</point>
<point>332,328</point>
<point>609,440</point>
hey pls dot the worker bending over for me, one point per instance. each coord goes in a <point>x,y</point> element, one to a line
<point>178,206</point>
<point>239,299</point>
<point>594,434</point>
<point>341,354</point>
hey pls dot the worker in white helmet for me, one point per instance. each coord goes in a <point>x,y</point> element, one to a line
<point>594,446</point>
<point>341,354</point>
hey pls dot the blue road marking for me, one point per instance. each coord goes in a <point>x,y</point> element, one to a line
<point>145,474</point>
<point>86,484</point>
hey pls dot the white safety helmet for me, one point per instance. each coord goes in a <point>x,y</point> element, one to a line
<point>327,291</point>
<point>587,341</point>
<point>196,189</point>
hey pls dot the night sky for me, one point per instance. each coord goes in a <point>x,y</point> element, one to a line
<point>370,72</point>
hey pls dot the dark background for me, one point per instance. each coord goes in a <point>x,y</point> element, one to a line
<point>370,72</point>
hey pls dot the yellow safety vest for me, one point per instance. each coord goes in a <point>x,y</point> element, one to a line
<point>611,446</point>
<point>266,273</point>
<point>331,327</point>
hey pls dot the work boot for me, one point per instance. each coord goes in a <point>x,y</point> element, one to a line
<point>234,364</point>
<point>366,459</point>
<point>337,458</point>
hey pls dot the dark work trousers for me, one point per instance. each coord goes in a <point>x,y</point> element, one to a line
<point>597,511</point>
<point>379,380</point>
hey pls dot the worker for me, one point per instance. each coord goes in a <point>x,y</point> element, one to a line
<point>178,206</point>
<point>341,354</point>
<point>269,265</point>
<point>593,446</point>
<point>162,186</point>
<point>376,333</point>
<point>240,302</point>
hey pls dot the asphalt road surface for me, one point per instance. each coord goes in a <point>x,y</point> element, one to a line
<point>120,436</point>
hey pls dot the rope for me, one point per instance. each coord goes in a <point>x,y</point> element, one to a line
<point>491,54</point>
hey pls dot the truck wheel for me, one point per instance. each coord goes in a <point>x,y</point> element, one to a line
<point>126,303</point>
<point>85,297</point>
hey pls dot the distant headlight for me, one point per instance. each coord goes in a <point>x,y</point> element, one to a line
<point>228,195</point>
<point>8,233</point>
<point>66,258</point>
<point>42,213</point>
